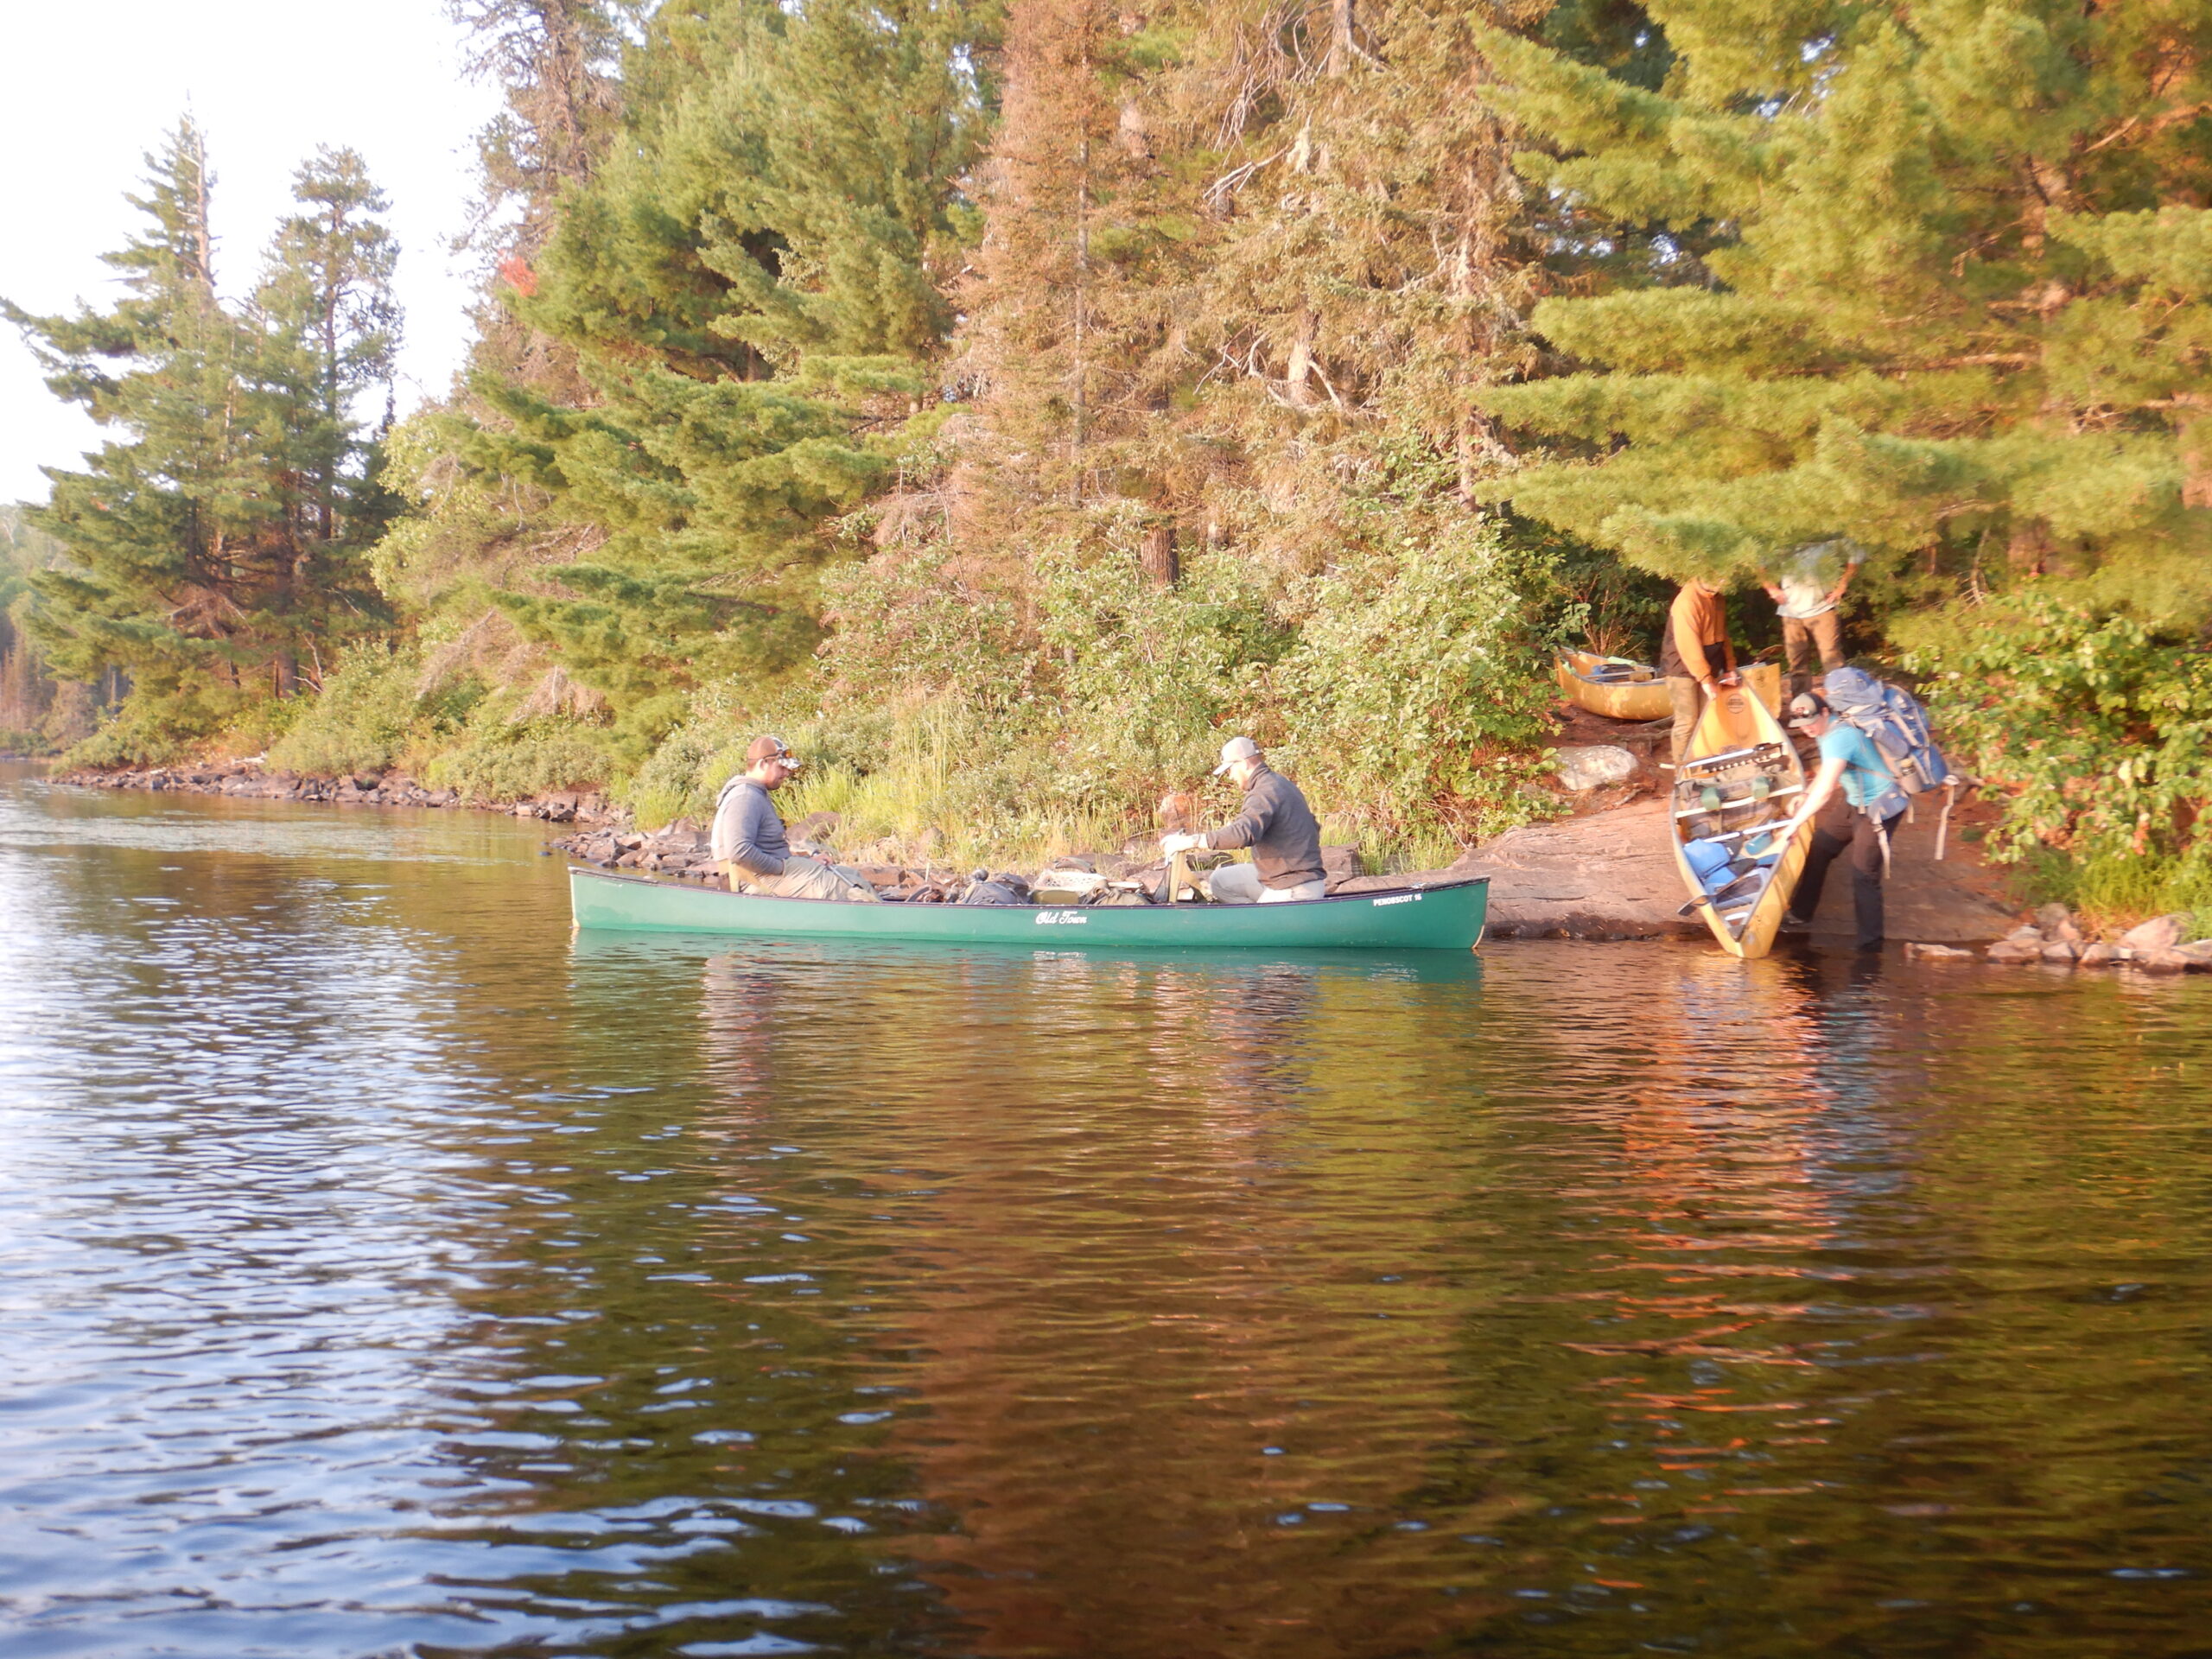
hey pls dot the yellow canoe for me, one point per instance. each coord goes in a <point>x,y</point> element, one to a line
<point>1740,775</point>
<point>1621,689</point>
<point>1611,686</point>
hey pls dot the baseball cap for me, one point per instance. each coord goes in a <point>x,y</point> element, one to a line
<point>1237,748</point>
<point>770,748</point>
<point>1807,706</point>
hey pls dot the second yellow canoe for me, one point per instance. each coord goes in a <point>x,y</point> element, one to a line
<point>1621,689</point>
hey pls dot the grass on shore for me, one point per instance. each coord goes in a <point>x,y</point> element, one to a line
<point>2115,893</point>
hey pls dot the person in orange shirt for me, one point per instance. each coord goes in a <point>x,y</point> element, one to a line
<point>1695,657</point>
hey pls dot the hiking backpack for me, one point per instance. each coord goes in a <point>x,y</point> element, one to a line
<point>1893,718</point>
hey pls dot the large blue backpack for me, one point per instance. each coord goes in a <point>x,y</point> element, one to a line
<point>1893,718</point>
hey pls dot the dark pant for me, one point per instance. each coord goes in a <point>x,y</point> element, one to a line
<point>1840,827</point>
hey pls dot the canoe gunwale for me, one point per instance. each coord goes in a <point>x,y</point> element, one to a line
<point>597,874</point>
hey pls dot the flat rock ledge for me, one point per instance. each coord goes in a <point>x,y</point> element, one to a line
<point>247,780</point>
<point>1611,875</point>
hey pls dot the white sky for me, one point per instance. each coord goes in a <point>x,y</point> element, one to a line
<point>91,88</point>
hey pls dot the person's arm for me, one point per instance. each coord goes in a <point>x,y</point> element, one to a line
<point>1850,569</point>
<point>1247,827</point>
<point>1819,793</point>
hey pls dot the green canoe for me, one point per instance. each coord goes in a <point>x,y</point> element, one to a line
<point>1448,918</point>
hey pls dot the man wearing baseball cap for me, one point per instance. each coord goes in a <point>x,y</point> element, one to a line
<point>1276,825</point>
<point>749,843</point>
<point>1853,802</point>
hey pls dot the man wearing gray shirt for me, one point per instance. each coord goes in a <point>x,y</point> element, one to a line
<point>1276,823</point>
<point>749,843</point>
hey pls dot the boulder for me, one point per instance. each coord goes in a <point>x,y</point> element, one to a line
<point>2163,961</point>
<point>2097,955</point>
<point>1938,952</point>
<point>2058,923</point>
<point>1594,765</point>
<point>2029,935</point>
<point>2016,950</point>
<point>2200,953</point>
<point>813,826</point>
<point>2061,951</point>
<point>2160,933</point>
<point>1341,862</point>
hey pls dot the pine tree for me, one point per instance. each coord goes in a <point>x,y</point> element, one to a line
<point>203,540</point>
<point>330,328</point>
<point>751,286</point>
<point>1933,277</point>
<point>166,525</point>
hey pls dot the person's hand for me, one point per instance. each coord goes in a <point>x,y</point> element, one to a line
<point>1177,842</point>
<point>1732,677</point>
<point>1777,594</point>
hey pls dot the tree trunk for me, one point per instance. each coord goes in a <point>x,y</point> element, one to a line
<point>1298,371</point>
<point>2196,449</point>
<point>1340,45</point>
<point>2029,546</point>
<point>1162,564</point>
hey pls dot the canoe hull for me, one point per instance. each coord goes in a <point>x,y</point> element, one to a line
<point>1736,720</point>
<point>1637,700</point>
<point>1646,699</point>
<point>1430,918</point>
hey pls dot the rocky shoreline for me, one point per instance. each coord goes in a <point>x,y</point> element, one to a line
<point>2160,945</point>
<point>247,780</point>
<point>1603,876</point>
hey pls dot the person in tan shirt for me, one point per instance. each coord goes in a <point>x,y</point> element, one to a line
<point>1695,657</point>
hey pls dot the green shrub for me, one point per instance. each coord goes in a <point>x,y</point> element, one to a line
<point>1414,698</point>
<point>363,720</point>
<point>2096,733</point>
<point>512,762</point>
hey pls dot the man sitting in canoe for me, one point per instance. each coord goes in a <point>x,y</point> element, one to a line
<point>1276,825</point>
<point>749,843</point>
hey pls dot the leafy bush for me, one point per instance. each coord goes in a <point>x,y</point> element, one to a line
<point>1419,681</point>
<point>514,762</point>
<point>2099,732</point>
<point>363,720</point>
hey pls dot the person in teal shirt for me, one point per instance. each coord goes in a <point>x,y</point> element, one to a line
<point>1853,802</point>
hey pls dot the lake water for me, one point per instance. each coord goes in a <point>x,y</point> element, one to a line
<point>385,1271</point>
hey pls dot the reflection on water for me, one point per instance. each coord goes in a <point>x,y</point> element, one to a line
<point>383,1271</point>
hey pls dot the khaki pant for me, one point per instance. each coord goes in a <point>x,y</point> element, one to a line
<point>1800,635</point>
<point>1688,698</point>
<point>1239,884</point>
<point>804,878</point>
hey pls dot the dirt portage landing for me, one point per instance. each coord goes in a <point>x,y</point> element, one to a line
<point>1610,876</point>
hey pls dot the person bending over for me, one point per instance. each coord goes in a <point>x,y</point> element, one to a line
<point>1854,803</point>
<point>749,843</point>
<point>1695,655</point>
<point>1276,825</point>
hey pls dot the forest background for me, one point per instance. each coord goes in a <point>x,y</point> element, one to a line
<point>1004,402</point>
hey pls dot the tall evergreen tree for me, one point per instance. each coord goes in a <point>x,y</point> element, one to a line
<point>330,335</point>
<point>752,285</point>
<point>1938,280</point>
<point>198,536</point>
<point>165,524</point>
